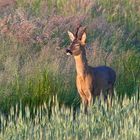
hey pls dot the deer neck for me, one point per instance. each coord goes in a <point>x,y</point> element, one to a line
<point>81,64</point>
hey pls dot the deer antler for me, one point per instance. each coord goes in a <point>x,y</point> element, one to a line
<point>81,32</point>
<point>76,34</point>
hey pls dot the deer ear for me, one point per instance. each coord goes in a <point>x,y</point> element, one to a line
<point>71,36</point>
<point>83,38</point>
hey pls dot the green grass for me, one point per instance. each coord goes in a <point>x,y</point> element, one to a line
<point>36,90</point>
<point>119,122</point>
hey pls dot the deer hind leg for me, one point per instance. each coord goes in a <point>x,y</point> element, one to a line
<point>111,94</point>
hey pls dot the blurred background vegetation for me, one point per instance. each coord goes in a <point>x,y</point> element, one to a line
<point>33,36</point>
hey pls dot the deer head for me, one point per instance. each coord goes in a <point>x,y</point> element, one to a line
<point>78,41</point>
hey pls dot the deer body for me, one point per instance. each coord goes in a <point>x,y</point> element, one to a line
<point>90,81</point>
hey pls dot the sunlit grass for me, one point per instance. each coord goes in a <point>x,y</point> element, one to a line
<point>119,122</point>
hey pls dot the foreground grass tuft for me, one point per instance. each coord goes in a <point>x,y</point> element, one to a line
<point>119,122</point>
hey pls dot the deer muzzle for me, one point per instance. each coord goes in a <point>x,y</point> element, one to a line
<point>68,52</point>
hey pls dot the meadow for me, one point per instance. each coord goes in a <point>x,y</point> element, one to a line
<point>37,79</point>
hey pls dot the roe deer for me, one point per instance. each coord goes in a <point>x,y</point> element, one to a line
<point>90,81</point>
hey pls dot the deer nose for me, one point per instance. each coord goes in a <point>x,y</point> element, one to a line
<point>68,52</point>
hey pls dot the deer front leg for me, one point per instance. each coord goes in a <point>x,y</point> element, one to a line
<point>88,94</point>
<point>86,100</point>
<point>86,106</point>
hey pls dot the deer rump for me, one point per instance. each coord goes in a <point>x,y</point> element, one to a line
<point>103,79</point>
